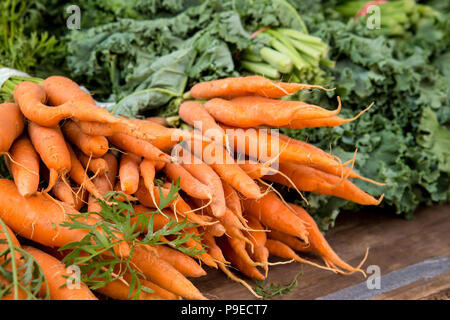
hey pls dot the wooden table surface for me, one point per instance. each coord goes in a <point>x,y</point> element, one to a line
<point>413,257</point>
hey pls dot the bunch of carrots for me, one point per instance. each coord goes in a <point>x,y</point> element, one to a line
<point>65,155</point>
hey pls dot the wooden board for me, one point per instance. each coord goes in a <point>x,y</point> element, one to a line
<point>395,243</point>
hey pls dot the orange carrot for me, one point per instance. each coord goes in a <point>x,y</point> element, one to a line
<point>62,191</point>
<point>112,167</point>
<point>95,146</point>
<point>188,183</point>
<point>38,217</point>
<point>251,142</point>
<point>54,272</point>
<point>225,166</point>
<point>25,166</point>
<point>196,115</point>
<point>244,86</point>
<point>257,236</point>
<point>163,274</point>
<point>251,111</point>
<point>274,213</point>
<point>78,174</point>
<point>254,169</point>
<point>332,121</point>
<point>119,290</point>
<point>148,171</point>
<point>129,172</point>
<point>206,175</point>
<point>139,147</point>
<point>282,250</point>
<point>81,197</point>
<point>159,291</point>
<point>95,165</point>
<point>320,245</point>
<point>233,202</point>
<point>180,261</point>
<point>177,205</point>
<point>236,260</point>
<point>11,125</point>
<point>52,148</point>
<point>70,101</point>
<point>309,179</point>
<point>161,137</point>
<point>31,98</point>
<point>104,182</point>
<point>216,229</point>
<point>289,240</point>
<point>213,249</point>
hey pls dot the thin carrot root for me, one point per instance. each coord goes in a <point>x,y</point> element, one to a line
<point>238,280</point>
<point>347,267</point>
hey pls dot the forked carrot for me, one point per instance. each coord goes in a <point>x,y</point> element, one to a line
<point>332,121</point>
<point>78,174</point>
<point>251,111</point>
<point>309,179</point>
<point>320,245</point>
<point>245,86</point>
<point>69,101</point>
<point>52,148</point>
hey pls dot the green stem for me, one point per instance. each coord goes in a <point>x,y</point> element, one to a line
<point>13,260</point>
<point>278,60</point>
<point>261,68</point>
<point>282,44</point>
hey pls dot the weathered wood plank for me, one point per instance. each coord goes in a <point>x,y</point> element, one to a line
<point>394,244</point>
<point>423,289</point>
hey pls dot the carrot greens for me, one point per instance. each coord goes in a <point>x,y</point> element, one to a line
<point>95,254</point>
